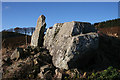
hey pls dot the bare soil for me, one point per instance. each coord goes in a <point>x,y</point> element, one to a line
<point>112,31</point>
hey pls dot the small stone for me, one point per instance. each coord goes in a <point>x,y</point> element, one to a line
<point>45,72</point>
<point>35,61</point>
<point>44,67</point>
<point>18,53</point>
<point>58,75</point>
<point>84,75</point>
<point>6,59</point>
<point>37,55</point>
<point>32,53</point>
<point>40,75</point>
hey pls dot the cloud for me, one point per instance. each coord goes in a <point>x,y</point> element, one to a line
<point>7,7</point>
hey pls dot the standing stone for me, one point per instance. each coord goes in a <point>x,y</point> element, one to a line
<point>38,34</point>
<point>67,42</point>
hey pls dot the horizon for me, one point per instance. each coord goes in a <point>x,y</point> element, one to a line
<point>25,14</point>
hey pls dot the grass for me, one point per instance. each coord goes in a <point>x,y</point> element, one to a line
<point>108,74</point>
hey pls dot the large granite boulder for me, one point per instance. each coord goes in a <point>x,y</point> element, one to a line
<point>69,41</point>
<point>38,34</point>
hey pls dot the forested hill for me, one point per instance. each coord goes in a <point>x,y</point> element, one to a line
<point>110,27</point>
<point>109,23</point>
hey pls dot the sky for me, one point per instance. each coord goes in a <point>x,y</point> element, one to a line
<point>25,14</point>
<point>60,0</point>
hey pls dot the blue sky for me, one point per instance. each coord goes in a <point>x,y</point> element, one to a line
<point>25,14</point>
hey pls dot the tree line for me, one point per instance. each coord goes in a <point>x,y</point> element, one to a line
<point>24,30</point>
<point>109,23</point>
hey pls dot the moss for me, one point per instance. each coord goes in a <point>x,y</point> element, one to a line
<point>109,73</point>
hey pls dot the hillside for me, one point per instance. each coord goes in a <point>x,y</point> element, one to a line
<point>68,51</point>
<point>13,39</point>
<point>108,23</point>
<point>110,27</point>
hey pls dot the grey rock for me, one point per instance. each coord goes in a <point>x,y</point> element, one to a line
<point>37,36</point>
<point>58,75</point>
<point>69,41</point>
<point>45,76</point>
<point>40,75</point>
<point>51,33</point>
<point>17,54</point>
<point>42,69</point>
<point>37,55</point>
<point>45,72</point>
<point>6,58</point>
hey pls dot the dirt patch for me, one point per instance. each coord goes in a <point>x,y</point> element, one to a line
<point>112,31</point>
